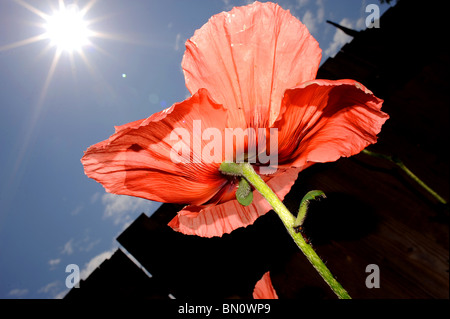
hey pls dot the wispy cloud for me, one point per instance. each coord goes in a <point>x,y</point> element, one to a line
<point>18,293</point>
<point>122,209</point>
<point>76,210</point>
<point>177,42</point>
<point>55,289</point>
<point>62,294</point>
<point>54,262</point>
<point>96,261</point>
<point>68,248</point>
<point>87,244</point>
<point>339,39</point>
<point>52,289</point>
<point>84,244</point>
<point>48,287</point>
<point>227,5</point>
<point>95,197</point>
<point>301,3</point>
<point>309,21</point>
<point>93,264</point>
<point>320,11</point>
<point>314,16</point>
<point>361,23</point>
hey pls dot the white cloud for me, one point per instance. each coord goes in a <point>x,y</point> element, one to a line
<point>346,23</point>
<point>361,23</point>
<point>55,289</point>
<point>54,262</point>
<point>95,197</point>
<point>68,248</point>
<point>301,3</point>
<point>51,288</point>
<point>96,261</point>
<point>77,210</point>
<point>84,244</point>
<point>177,42</point>
<point>16,293</point>
<point>309,21</point>
<point>339,39</point>
<point>320,11</point>
<point>62,294</point>
<point>122,208</point>
<point>48,287</point>
<point>87,244</point>
<point>227,5</point>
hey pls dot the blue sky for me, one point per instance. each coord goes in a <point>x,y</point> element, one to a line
<point>51,214</point>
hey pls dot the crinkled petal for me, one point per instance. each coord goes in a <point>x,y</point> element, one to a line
<point>216,220</point>
<point>324,120</point>
<point>264,288</point>
<point>137,159</point>
<point>134,124</point>
<point>248,57</point>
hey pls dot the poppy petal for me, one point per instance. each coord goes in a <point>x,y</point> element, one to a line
<point>137,159</point>
<point>324,120</point>
<point>248,57</point>
<point>134,124</point>
<point>264,288</point>
<point>223,218</point>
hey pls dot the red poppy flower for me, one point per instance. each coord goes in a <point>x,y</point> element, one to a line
<point>252,67</point>
<point>264,289</point>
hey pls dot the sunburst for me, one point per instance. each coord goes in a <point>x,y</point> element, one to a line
<point>66,30</point>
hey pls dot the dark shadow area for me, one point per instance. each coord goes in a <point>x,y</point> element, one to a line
<point>442,211</point>
<point>339,217</point>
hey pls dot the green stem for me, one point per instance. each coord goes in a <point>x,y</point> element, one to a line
<point>303,209</point>
<point>288,220</point>
<point>408,172</point>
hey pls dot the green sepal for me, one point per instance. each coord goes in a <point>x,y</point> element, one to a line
<point>244,194</point>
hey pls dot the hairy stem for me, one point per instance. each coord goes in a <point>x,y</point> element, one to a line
<point>289,222</point>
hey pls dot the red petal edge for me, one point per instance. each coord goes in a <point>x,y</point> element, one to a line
<point>324,120</point>
<point>264,288</point>
<point>136,160</point>
<point>225,217</point>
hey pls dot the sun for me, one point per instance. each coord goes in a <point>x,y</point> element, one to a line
<point>66,29</point>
